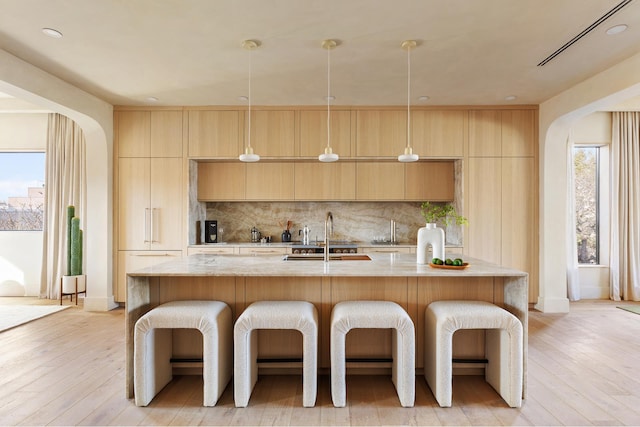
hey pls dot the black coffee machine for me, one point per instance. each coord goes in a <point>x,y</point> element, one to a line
<point>211,231</point>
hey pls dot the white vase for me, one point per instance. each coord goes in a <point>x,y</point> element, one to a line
<point>430,235</point>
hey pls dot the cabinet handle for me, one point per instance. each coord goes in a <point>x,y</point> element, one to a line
<point>153,229</point>
<point>165,254</point>
<point>146,228</point>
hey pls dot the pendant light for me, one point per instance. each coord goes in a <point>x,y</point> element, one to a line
<point>408,155</point>
<point>249,155</point>
<point>328,155</point>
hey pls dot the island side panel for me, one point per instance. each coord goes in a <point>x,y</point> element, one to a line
<point>516,292</point>
<point>142,296</point>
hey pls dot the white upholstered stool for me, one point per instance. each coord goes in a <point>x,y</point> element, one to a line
<point>153,347</point>
<point>503,347</point>
<point>349,315</point>
<point>298,315</point>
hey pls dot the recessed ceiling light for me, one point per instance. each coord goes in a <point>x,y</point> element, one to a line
<point>52,33</point>
<point>423,98</point>
<point>510,98</point>
<point>616,29</point>
<point>243,98</point>
<point>330,98</point>
<point>152,99</point>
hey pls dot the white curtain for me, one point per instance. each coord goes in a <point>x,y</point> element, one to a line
<point>65,185</point>
<point>625,206</point>
<point>573,277</point>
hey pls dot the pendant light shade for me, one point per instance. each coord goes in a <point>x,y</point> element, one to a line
<point>328,155</point>
<point>408,155</point>
<point>249,155</point>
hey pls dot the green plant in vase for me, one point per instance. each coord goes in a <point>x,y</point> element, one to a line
<point>446,214</point>
<point>433,236</point>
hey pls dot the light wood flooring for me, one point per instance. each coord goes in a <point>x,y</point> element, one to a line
<point>68,369</point>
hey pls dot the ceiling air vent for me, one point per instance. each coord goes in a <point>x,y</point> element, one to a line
<point>586,31</point>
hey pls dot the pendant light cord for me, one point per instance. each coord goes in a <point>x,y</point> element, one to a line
<point>408,97</point>
<point>328,97</point>
<point>249,130</point>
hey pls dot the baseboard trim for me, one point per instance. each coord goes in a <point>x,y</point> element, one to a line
<point>552,305</point>
<point>99,304</point>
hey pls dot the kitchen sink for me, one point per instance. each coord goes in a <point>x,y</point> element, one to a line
<point>332,257</point>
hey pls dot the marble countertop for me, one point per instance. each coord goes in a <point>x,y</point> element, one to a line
<point>380,265</point>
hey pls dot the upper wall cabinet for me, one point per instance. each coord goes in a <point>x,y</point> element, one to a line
<point>313,133</point>
<point>380,133</point>
<point>325,181</point>
<point>485,133</point>
<point>519,133</point>
<point>380,181</point>
<point>434,181</point>
<point>269,181</point>
<point>215,133</point>
<point>222,181</point>
<point>273,133</point>
<point>438,133</point>
<point>149,133</point>
<point>502,133</point>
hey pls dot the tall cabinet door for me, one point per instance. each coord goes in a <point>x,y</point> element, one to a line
<point>166,203</point>
<point>484,209</point>
<point>519,248</point>
<point>134,212</point>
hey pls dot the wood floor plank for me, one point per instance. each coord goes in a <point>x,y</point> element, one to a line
<point>68,369</point>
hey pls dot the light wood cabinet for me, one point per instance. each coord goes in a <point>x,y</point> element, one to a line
<point>438,133</point>
<point>213,250</point>
<point>313,133</point>
<point>380,181</point>
<point>485,133</point>
<point>505,133</point>
<point>519,133</point>
<point>384,249</point>
<point>502,214</point>
<point>150,203</point>
<point>273,133</point>
<point>325,181</point>
<point>149,133</point>
<point>136,260</point>
<point>221,181</point>
<point>266,250</point>
<point>484,209</point>
<point>518,214</point>
<point>270,181</point>
<point>215,133</point>
<point>434,181</point>
<point>380,133</point>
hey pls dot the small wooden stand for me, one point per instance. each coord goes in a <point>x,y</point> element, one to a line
<point>73,285</point>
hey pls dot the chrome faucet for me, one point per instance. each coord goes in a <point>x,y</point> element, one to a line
<point>328,230</point>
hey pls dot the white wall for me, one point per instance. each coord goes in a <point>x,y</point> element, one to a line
<point>21,251</point>
<point>20,263</point>
<point>26,132</point>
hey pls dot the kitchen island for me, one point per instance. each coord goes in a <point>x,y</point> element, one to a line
<point>241,280</point>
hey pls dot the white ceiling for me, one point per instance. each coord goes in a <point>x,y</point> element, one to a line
<point>188,52</point>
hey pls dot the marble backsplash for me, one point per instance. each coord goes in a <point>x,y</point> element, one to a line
<point>352,221</point>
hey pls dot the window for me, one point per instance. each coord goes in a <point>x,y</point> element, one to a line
<point>588,165</point>
<point>21,191</point>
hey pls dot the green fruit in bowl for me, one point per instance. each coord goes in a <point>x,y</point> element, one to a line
<point>457,262</point>
<point>448,261</point>
<point>436,261</point>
